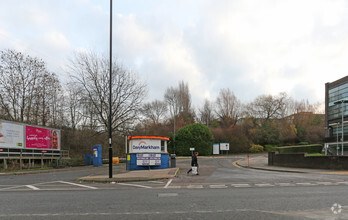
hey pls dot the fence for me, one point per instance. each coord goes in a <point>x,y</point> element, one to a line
<point>31,155</point>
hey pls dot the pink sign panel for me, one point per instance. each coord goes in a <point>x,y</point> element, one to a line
<point>41,138</point>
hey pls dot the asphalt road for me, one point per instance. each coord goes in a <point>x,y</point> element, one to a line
<point>221,191</point>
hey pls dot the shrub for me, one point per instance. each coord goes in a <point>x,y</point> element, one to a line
<point>196,136</point>
<point>256,148</point>
<point>269,147</point>
<point>239,142</point>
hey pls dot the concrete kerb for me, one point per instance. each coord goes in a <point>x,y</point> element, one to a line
<point>264,166</point>
<point>270,169</point>
<point>133,176</point>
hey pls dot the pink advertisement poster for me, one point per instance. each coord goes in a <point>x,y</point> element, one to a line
<point>41,138</point>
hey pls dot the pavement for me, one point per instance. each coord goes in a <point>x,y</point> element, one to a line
<point>260,162</point>
<point>134,175</point>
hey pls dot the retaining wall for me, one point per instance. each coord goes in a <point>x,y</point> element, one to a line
<point>301,160</point>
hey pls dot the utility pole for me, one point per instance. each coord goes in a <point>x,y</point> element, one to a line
<point>110,97</point>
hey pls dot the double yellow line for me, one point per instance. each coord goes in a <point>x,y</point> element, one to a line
<point>235,163</point>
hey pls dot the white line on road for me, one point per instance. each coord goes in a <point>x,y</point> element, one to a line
<point>136,185</point>
<point>326,183</point>
<point>218,186</point>
<point>263,185</point>
<point>343,182</point>
<point>32,187</point>
<point>285,184</point>
<point>174,187</point>
<point>168,183</point>
<point>12,187</point>
<point>159,182</point>
<point>167,194</point>
<point>75,184</point>
<point>195,186</point>
<point>306,184</point>
<point>240,185</point>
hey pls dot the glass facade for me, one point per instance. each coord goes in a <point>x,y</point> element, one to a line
<point>336,149</point>
<point>339,130</point>
<point>337,94</point>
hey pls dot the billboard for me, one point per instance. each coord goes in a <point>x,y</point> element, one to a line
<point>11,135</point>
<point>224,146</point>
<point>145,146</point>
<point>216,148</point>
<point>42,138</point>
<point>148,159</point>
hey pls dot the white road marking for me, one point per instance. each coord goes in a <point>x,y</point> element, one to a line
<point>241,185</point>
<point>174,187</point>
<point>218,186</point>
<point>285,184</point>
<point>159,182</point>
<point>168,183</point>
<point>342,183</point>
<point>80,185</point>
<point>136,185</point>
<point>113,214</point>
<point>12,187</point>
<point>326,183</point>
<point>32,187</point>
<point>306,184</point>
<point>195,186</point>
<point>263,185</point>
<point>167,194</point>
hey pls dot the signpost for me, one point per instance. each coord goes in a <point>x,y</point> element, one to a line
<point>192,149</point>
<point>225,147</point>
<point>216,149</point>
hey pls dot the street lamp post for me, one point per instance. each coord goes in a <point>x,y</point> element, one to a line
<point>337,139</point>
<point>110,97</point>
<point>342,102</point>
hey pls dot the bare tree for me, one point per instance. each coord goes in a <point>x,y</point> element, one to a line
<point>179,102</point>
<point>227,107</point>
<point>302,106</point>
<point>172,98</point>
<point>269,107</point>
<point>206,113</point>
<point>18,83</point>
<point>184,97</point>
<point>48,100</point>
<point>91,72</point>
<point>28,91</point>
<point>74,104</point>
<point>155,111</point>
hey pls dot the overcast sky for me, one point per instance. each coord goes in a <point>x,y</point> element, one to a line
<point>252,47</point>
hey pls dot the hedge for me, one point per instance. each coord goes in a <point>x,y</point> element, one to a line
<point>313,148</point>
